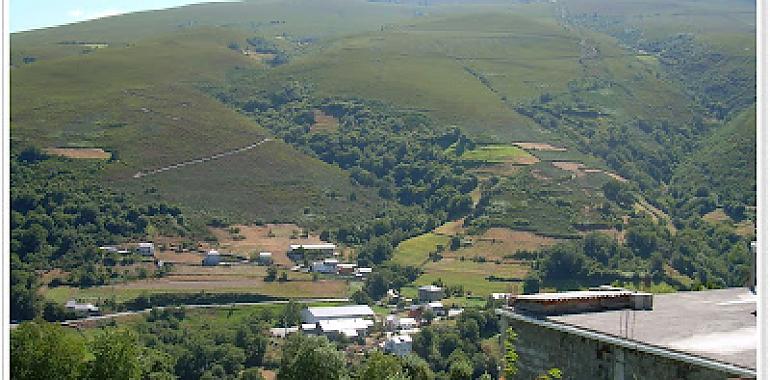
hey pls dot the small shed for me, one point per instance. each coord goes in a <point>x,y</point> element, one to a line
<point>146,249</point>
<point>212,258</point>
<point>265,258</point>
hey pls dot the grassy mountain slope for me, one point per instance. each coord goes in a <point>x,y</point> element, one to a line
<point>143,103</point>
<point>725,164</point>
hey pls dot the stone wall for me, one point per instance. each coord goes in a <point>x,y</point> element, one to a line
<point>580,358</point>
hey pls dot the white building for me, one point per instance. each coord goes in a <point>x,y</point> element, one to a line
<point>146,249</point>
<point>265,258</point>
<point>317,314</point>
<point>396,323</point>
<point>400,345</point>
<point>430,293</point>
<point>81,307</point>
<point>347,327</point>
<point>363,272</point>
<point>500,296</point>
<point>436,307</point>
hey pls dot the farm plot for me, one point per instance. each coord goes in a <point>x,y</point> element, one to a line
<point>497,242</point>
<point>539,147</point>
<point>243,240</point>
<point>416,250</point>
<point>500,154</point>
<point>84,153</point>
<point>323,122</point>
<point>475,277</point>
<point>194,279</point>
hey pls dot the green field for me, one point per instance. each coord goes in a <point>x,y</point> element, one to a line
<point>472,276</point>
<point>416,250</point>
<point>496,153</point>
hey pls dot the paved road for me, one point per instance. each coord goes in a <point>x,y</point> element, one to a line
<point>193,306</point>
<point>201,160</point>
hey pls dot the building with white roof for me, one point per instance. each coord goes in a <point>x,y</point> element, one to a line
<point>146,249</point>
<point>81,307</point>
<point>347,327</point>
<point>430,293</point>
<point>317,314</point>
<point>265,258</point>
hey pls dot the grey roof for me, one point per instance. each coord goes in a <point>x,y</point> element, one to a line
<point>716,324</point>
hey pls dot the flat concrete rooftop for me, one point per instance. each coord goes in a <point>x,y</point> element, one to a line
<point>715,324</point>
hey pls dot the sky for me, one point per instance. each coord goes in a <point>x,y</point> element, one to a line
<point>34,14</point>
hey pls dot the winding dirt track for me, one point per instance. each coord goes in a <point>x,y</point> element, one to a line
<point>201,160</point>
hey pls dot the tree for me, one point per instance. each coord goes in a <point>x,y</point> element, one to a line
<point>116,356</point>
<point>40,349</point>
<point>416,368</point>
<point>460,370</point>
<point>551,374</point>
<point>292,314</point>
<point>511,359</point>
<point>380,366</point>
<point>272,274</point>
<point>305,355</point>
<point>532,283</point>
<point>454,244</point>
<point>360,297</point>
<point>251,374</point>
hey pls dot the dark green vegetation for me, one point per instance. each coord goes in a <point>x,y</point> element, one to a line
<point>60,215</point>
<point>40,349</point>
<point>235,343</point>
<point>655,94</point>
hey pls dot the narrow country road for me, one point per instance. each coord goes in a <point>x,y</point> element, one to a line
<point>201,160</point>
<point>193,306</point>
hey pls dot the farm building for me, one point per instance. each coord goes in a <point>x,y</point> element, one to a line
<point>317,314</point>
<point>87,308</point>
<point>346,269</point>
<point>265,258</point>
<point>500,296</point>
<point>347,327</point>
<point>363,272</point>
<point>299,252</point>
<point>146,249</point>
<point>396,323</point>
<point>399,345</point>
<point>211,259</point>
<point>705,335</point>
<point>328,266</point>
<point>109,249</point>
<point>430,293</point>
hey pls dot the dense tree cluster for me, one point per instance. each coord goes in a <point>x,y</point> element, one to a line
<point>60,214</point>
<point>409,160</point>
<point>457,352</point>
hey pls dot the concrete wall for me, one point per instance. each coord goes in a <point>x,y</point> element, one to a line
<point>579,358</point>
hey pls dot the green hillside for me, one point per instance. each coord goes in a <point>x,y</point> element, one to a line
<point>612,128</point>
<point>722,170</point>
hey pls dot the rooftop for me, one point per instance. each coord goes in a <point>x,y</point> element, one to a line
<point>716,324</point>
<point>312,246</point>
<point>340,311</point>
<point>430,288</point>
<point>574,295</point>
